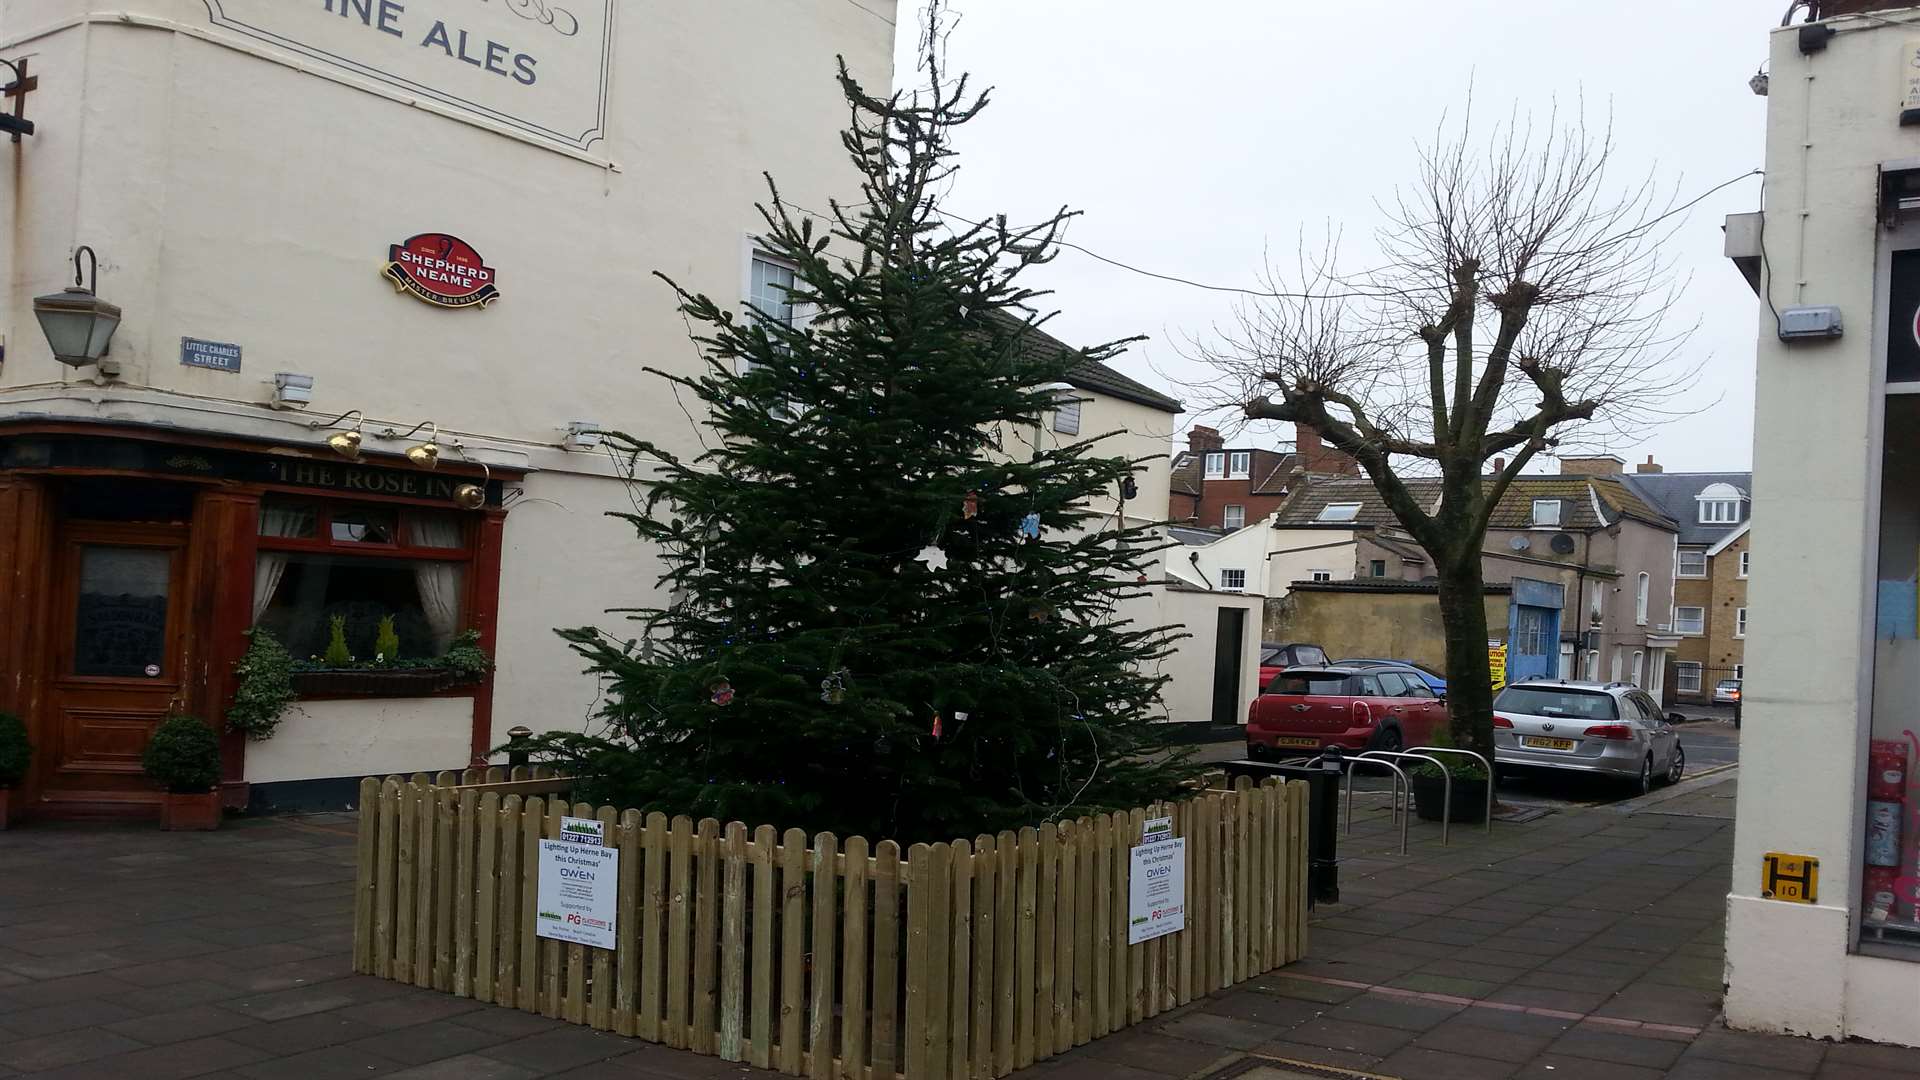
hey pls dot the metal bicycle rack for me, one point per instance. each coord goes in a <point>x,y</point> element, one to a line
<point>1484,763</point>
<point>1400,783</point>
<point>1446,808</point>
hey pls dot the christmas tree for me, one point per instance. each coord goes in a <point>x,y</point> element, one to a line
<point>893,605</point>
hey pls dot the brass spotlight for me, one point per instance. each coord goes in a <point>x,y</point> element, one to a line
<point>471,496</point>
<point>427,454</point>
<point>345,443</point>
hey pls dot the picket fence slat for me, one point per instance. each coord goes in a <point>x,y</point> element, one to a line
<point>793,949</point>
<point>797,953</point>
<point>986,866</point>
<point>884,987</point>
<point>626,998</point>
<point>825,916</point>
<point>733,944</point>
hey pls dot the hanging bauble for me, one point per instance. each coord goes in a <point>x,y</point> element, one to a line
<point>1040,612</point>
<point>1030,527</point>
<point>935,558</point>
<point>936,725</point>
<point>721,692</point>
<point>883,746</point>
<point>833,688</point>
<point>970,506</point>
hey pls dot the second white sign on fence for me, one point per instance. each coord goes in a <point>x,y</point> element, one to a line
<point>579,887</point>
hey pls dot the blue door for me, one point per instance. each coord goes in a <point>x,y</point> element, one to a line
<point>1533,630</point>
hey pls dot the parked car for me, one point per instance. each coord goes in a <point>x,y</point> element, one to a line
<point>1608,729</point>
<point>1276,657</point>
<point>1726,692</point>
<point>1307,709</point>
<point>1434,680</point>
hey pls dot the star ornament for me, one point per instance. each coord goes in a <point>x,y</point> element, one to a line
<point>933,556</point>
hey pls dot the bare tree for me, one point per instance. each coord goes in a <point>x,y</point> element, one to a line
<point>1521,299</point>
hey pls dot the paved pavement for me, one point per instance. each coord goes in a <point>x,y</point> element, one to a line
<point>1583,944</point>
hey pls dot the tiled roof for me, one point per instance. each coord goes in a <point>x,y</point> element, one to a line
<point>1317,494</point>
<point>1674,495</point>
<point>1383,585</point>
<point>1185,477</point>
<point>1280,477</point>
<point>1576,495</point>
<point>1094,376</point>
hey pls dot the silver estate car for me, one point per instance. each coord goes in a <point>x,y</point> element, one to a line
<point>1612,729</point>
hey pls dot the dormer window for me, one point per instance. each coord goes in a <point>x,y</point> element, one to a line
<point>1239,464</point>
<point>1720,504</point>
<point>1546,513</point>
<point>1216,466</point>
<point>1339,512</point>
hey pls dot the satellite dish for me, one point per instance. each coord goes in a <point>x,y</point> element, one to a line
<point>1562,544</point>
<point>1519,543</point>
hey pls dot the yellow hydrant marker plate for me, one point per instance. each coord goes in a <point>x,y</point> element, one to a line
<point>1793,878</point>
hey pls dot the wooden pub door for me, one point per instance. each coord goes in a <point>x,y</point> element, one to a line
<point>116,663</point>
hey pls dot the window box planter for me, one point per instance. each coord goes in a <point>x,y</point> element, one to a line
<point>408,682</point>
<point>190,813</point>
<point>1469,798</point>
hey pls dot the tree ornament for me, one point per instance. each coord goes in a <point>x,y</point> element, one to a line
<point>970,506</point>
<point>721,691</point>
<point>935,558</point>
<point>1041,611</point>
<point>1030,526</point>
<point>936,725</point>
<point>833,688</point>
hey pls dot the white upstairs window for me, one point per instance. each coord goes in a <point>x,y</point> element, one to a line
<point>1546,513</point>
<point>1339,512</point>
<point>1235,516</point>
<point>1066,416</point>
<point>1239,464</point>
<point>1692,563</point>
<point>1233,580</point>
<point>1216,466</point>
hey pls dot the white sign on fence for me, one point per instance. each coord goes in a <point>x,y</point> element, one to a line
<point>1156,829</point>
<point>579,884</point>
<point>1157,891</point>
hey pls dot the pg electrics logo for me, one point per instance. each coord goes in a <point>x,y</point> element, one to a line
<point>441,270</point>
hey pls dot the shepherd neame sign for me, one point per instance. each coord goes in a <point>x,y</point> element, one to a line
<point>539,66</point>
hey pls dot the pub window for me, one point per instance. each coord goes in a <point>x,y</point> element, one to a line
<point>360,563</point>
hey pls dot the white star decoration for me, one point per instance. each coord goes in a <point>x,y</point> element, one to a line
<point>935,558</point>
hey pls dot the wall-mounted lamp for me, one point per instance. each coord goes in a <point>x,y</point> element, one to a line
<point>16,122</point>
<point>426,455</point>
<point>291,391</point>
<point>79,324</point>
<point>582,435</point>
<point>345,443</point>
<point>472,496</point>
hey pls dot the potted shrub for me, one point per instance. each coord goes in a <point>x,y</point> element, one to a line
<point>1430,789</point>
<point>15,755</point>
<point>184,758</point>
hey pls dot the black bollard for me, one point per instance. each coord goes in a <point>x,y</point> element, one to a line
<point>517,750</point>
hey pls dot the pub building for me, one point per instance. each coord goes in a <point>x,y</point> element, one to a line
<point>312,326</point>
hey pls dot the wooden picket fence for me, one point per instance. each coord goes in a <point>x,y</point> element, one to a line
<point>959,960</point>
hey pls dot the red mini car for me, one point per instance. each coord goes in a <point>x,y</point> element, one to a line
<point>1308,709</point>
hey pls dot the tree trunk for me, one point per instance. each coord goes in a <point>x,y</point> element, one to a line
<point>1463,616</point>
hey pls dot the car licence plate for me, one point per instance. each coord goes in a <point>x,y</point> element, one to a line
<point>1295,740</point>
<point>1535,742</point>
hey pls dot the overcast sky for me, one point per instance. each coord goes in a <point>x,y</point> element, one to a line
<point>1194,135</point>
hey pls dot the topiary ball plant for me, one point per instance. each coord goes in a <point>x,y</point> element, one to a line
<point>183,756</point>
<point>16,753</point>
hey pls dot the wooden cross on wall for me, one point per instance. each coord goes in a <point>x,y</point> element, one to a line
<point>18,90</point>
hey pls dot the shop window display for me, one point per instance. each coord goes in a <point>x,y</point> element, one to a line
<point>1890,892</point>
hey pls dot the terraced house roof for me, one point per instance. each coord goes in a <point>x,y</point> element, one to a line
<point>1091,374</point>
<point>1586,502</point>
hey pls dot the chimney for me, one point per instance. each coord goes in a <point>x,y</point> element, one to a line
<point>1319,459</point>
<point>1597,465</point>
<point>1201,439</point>
<point>1649,467</point>
<point>1496,466</point>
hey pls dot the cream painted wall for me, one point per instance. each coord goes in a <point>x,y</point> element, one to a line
<point>321,739</point>
<point>246,199</point>
<point>1188,697</point>
<point>1832,120</point>
<point>1297,553</point>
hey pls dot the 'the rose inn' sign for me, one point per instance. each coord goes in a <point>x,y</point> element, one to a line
<point>538,66</point>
